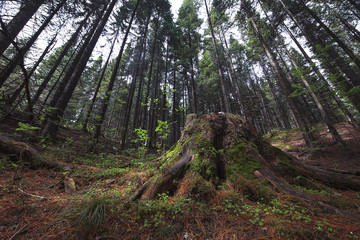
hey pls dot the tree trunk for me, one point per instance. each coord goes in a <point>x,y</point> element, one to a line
<point>92,102</point>
<point>356,5</point>
<point>236,80</point>
<point>352,29</point>
<point>334,37</point>
<point>285,85</point>
<point>316,39</point>
<point>318,101</point>
<point>217,58</point>
<point>192,74</point>
<point>52,122</point>
<point>130,98</point>
<point>41,58</point>
<point>282,112</point>
<point>153,48</point>
<point>63,53</point>
<point>20,55</point>
<point>105,103</point>
<point>11,30</point>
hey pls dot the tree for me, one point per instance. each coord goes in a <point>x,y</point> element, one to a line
<point>11,30</point>
<point>19,58</point>
<point>105,103</point>
<point>217,57</point>
<point>285,85</point>
<point>60,102</point>
<point>63,53</point>
<point>189,24</point>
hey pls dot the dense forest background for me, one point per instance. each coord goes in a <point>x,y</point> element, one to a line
<point>117,68</point>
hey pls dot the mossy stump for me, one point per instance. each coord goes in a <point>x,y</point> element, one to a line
<point>224,148</point>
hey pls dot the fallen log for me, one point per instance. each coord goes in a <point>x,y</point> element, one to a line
<point>22,152</point>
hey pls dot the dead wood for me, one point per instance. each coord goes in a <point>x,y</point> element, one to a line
<point>22,152</point>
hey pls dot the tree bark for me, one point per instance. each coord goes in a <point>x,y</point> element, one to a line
<point>334,37</point>
<point>129,102</point>
<point>41,58</point>
<point>11,30</point>
<point>92,102</point>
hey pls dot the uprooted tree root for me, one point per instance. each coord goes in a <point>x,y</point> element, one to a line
<point>221,147</point>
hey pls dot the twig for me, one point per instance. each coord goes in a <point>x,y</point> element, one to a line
<point>32,195</point>
<point>13,236</point>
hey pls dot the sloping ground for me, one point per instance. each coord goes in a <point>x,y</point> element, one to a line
<point>334,156</point>
<point>88,199</point>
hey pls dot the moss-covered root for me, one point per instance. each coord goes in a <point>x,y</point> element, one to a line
<point>26,154</point>
<point>266,173</point>
<point>162,182</point>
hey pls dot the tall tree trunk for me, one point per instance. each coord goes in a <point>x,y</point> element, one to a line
<point>11,30</point>
<point>236,80</point>
<point>355,4</point>
<point>52,122</point>
<point>20,55</point>
<point>130,98</point>
<point>105,103</point>
<point>192,75</point>
<point>217,58</point>
<point>320,75</point>
<point>175,110</point>
<point>316,39</point>
<point>352,29</point>
<point>334,37</point>
<point>284,83</point>
<point>63,53</point>
<point>283,115</point>
<point>137,111</point>
<point>164,93</point>
<point>73,66</point>
<point>318,101</point>
<point>153,105</point>
<point>21,87</point>
<point>146,100</point>
<point>63,71</point>
<point>97,89</point>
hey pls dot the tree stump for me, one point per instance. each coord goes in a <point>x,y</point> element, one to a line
<point>223,147</point>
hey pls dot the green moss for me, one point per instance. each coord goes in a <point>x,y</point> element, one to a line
<point>205,167</point>
<point>253,145</point>
<point>200,189</point>
<point>173,154</point>
<point>284,164</point>
<point>241,162</point>
<point>259,191</point>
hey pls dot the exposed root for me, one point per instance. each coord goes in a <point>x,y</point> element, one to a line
<point>24,153</point>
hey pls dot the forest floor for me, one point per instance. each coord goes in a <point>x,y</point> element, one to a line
<point>87,199</point>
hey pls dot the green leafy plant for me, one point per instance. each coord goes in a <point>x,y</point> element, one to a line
<point>26,128</point>
<point>163,130</point>
<point>141,138</point>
